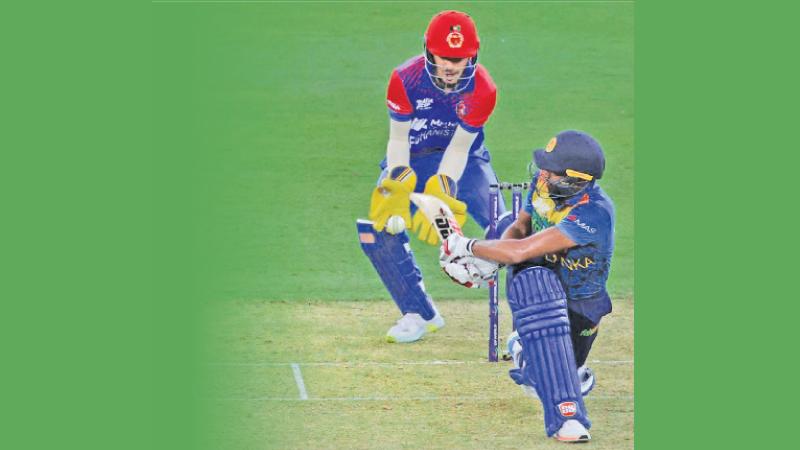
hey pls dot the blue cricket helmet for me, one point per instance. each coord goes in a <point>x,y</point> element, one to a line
<point>574,154</point>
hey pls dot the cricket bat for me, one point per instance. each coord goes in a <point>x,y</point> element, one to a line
<point>438,214</point>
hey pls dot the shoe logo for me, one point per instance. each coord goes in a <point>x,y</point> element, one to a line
<point>568,409</point>
<point>424,103</point>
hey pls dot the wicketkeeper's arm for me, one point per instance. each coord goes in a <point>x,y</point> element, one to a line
<point>398,148</point>
<point>455,155</point>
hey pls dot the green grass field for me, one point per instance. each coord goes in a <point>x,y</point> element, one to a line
<point>289,101</point>
<point>363,393</point>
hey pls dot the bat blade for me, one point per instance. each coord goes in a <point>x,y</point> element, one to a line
<point>438,214</point>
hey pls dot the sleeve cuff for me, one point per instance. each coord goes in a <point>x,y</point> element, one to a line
<point>469,127</point>
<point>400,117</point>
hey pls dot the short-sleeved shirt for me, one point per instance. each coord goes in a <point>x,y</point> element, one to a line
<point>434,115</point>
<point>588,220</point>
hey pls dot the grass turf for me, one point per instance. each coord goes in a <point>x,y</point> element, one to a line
<point>290,101</point>
<point>365,393</point>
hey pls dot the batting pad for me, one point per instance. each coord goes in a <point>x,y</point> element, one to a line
<point>539,306</point>
<point>392,258</point>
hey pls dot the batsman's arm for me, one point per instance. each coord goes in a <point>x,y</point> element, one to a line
<point>515,251</point>
<point>520,229</point>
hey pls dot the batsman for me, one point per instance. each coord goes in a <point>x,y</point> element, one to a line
<point>558,253</point>
<point>438,103</point>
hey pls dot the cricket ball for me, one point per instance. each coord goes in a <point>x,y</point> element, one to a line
<point>395,225</point>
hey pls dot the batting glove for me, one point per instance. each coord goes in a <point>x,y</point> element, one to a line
<point>470,271</point>
<point>454,247</point>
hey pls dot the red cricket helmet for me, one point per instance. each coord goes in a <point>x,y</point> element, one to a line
<point>452,34</point>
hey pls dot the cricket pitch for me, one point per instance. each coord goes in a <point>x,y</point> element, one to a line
<point>320,375</point>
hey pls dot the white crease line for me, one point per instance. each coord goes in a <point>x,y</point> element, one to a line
<point>298,378</point>
<point>399,399</point>
<point>390,364</point>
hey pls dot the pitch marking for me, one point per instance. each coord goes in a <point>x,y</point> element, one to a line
<point>398,399</point>
<point>298,378</point>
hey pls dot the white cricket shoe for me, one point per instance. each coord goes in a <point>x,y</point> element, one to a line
<point>585,374</point>
<point>586,377</point>
<point>572,431</point>
<point>411,327</point>
<point>515,350</point>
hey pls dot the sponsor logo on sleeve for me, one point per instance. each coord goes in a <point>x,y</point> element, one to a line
<point>574,218</point>
<point>393,105</point>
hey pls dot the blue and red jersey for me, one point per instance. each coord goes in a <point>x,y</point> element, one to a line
<point>434,114</point>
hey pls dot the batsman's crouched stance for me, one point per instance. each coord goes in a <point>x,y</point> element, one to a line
<point>438,103</point>
<point>559,252</point>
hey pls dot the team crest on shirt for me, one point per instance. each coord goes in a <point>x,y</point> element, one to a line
<point>455,39</point>
<point>424,103</point>
<point>461,109</point>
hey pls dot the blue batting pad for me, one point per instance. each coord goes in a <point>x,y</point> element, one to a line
<point>394,261</point>
<point>539,305</point>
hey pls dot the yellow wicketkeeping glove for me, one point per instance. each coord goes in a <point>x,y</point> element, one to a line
<point>443,187</point>
<point>390,198</point>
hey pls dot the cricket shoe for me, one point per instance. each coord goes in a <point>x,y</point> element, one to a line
<point>586,377</point>
<point>411,327</point>
<point>514,347</point>
<point>572,431</point>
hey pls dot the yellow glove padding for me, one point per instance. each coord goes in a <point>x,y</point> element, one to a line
<point>443,187</point>
<point>390,198</point>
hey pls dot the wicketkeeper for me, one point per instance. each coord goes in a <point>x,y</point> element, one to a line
<point>559,254</point>
<point>438,103</point>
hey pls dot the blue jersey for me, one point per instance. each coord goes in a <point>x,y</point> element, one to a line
<point>434,114</point>
<point>588,220</point>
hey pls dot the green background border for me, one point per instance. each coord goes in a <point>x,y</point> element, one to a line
<point>90,209</point>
